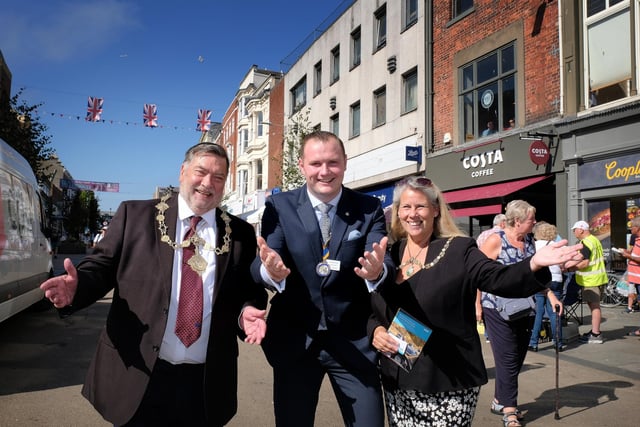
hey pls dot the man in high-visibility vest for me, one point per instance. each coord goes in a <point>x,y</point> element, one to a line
<point>591,274</point>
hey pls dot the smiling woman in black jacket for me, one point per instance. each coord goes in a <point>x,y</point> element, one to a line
<point>439,272</point>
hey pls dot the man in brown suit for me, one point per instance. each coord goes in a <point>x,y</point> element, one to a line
<point>143,373</point>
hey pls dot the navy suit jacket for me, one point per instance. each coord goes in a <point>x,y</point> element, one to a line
<point>133,262</point>
<point>290,227</point>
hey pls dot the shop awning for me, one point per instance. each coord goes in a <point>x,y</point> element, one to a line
<point>490,191</point>
<point>477,211</point>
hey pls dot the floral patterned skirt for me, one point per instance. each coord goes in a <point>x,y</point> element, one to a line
<point>408,408</point>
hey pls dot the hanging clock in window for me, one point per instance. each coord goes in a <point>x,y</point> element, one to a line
<point>487,98</point>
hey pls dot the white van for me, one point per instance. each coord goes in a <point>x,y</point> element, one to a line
<point>25,251</point>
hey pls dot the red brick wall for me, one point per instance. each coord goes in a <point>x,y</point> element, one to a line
<point>541,72</point>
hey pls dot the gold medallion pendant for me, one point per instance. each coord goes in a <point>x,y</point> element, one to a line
<point>197,263</point>
<point>409,271</point>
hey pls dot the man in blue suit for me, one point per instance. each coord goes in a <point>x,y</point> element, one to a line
<point>317,321</point>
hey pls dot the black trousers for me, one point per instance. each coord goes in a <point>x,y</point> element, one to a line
<point>174,397</point>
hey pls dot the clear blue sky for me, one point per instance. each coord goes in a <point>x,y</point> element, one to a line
<point>132,52</point>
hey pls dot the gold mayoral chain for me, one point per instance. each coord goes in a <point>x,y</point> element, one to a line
<point>197,261</point>
<point>413,260</point>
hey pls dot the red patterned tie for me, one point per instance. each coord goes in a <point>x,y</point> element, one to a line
<point>189,321</point>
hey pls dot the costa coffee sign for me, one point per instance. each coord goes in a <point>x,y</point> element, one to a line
<point>539,152</point>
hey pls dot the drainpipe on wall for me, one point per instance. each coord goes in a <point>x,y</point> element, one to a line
<point>429,107</point>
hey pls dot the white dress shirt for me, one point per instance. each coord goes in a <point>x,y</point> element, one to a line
<point>172,349</point>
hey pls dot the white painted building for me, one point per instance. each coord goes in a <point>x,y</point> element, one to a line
<point>364,79</point>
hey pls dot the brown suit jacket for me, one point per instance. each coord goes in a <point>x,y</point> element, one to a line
<point>134,263</point>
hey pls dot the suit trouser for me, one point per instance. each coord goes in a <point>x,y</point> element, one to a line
<point>296,389</point>
<point>174,397</point>
<point>509,343</point>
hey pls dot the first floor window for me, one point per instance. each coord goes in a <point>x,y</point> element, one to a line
<point>410,91</point>
<point>334,124</point>
<point>299,96</point>
<point>487,93</point>
<point>380,106</point>
<point>355,120</point>
<point>611,35</point>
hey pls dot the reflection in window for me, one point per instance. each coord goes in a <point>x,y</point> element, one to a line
<point>260,122</point>
<point>244,140</point>
<point>354,128</point>
<point>410,91</point>
<point>317,78</point>
<point>461,6</point>
<point>259,174</point>
<point>487,93</point>
<point>335,64</point>
<point>299,96</point>
<point>410,13</point>
<point>380,25</point>
<point>379,106</point>
<point>356,48</point>
<point>610,33</point>
<point>334,124</point>
<point>243,182</point>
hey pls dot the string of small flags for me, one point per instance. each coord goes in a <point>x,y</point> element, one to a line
<point>149,116</point>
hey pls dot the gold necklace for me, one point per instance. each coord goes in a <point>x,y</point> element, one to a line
<point>197,261</point>
<point>414,261</point>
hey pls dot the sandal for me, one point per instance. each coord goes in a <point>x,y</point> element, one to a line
<point>511,422</point>
<point>497,409</point>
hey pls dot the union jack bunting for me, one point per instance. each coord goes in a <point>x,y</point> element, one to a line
<point>94,109</point>
<point>150,115</point>
<point>204,120</point>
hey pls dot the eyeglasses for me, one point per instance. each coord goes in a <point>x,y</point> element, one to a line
<point>425,182</point>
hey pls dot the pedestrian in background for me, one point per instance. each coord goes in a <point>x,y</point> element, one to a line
<point>633,266</point>
<point>510,337</point>
<point>439,272</point>
<point>591,274</point>
<point>499,223</point>
<point>545,233</point>
<point>100,235</point>
<point>323,249</point>
<point>182,295</point>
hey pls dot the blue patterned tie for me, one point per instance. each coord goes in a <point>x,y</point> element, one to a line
<point>325,228</point>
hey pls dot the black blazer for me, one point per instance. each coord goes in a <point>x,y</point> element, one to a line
<point>443,297</point>
<point>133,262</point>
<point>290,227</point>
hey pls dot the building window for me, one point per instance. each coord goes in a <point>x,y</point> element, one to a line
<point>610,38</point>
<point>354,128</point>
<point>334,124</point>
<point>335,64</point>
<point>487,93</point>
<point>259,174</point>
<point>243,181</point>
<point>243,107</point>
<point>356,48</point>
<point>460,7</point>
<point>260,123</point>
<point>317,78</point>
<point>380,106</point>
<point>410,91</point>
<point>299,95</point>
<point>409,13</point>
<point>244,140</point>
<point>380,26</point>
